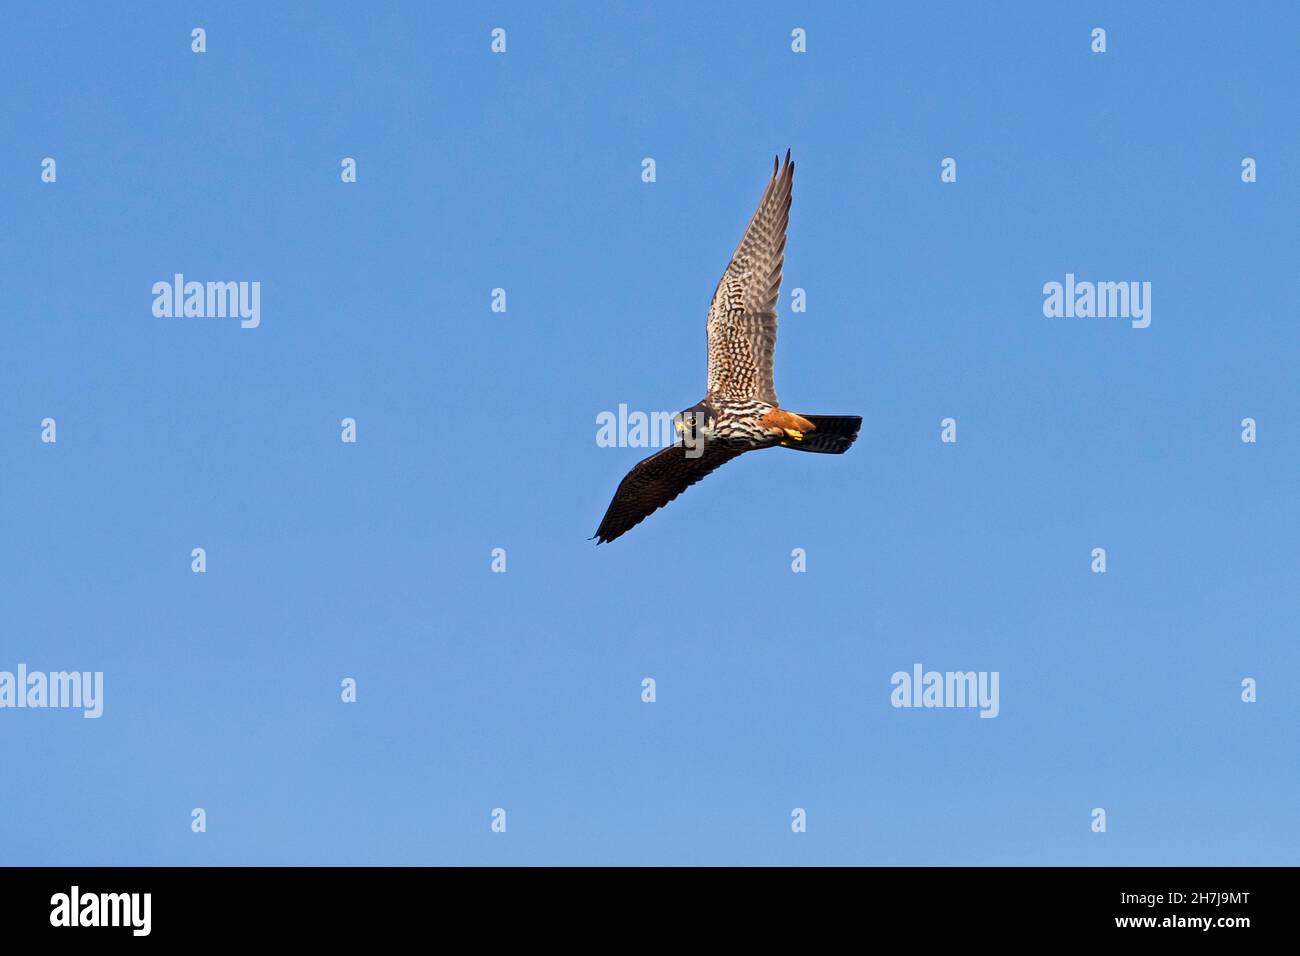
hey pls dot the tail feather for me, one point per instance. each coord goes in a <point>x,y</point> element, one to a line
<point>832,436</point>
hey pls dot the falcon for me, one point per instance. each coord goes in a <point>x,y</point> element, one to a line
<point>739,412</point>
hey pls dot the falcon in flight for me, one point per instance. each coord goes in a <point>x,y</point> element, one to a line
<point>739,412</point>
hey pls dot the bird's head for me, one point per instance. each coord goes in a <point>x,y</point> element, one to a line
<point>695,424</point>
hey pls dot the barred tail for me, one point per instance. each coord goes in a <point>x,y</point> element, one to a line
<point>832,436</point>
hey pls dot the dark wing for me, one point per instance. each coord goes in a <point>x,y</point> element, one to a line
<point>742,316</point>
<point>656,481</point>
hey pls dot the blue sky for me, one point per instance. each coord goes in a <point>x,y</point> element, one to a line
<point>476,430</point>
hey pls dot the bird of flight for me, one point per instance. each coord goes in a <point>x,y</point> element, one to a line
<point>740,411</point>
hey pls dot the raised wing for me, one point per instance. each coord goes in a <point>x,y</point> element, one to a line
<point>656,481</point>
<point>742,318</point>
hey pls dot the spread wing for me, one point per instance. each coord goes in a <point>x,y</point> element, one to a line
<point>742,318</point>
<point>656,481</point>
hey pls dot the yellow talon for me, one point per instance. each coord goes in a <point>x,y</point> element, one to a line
<point>794,433</point>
